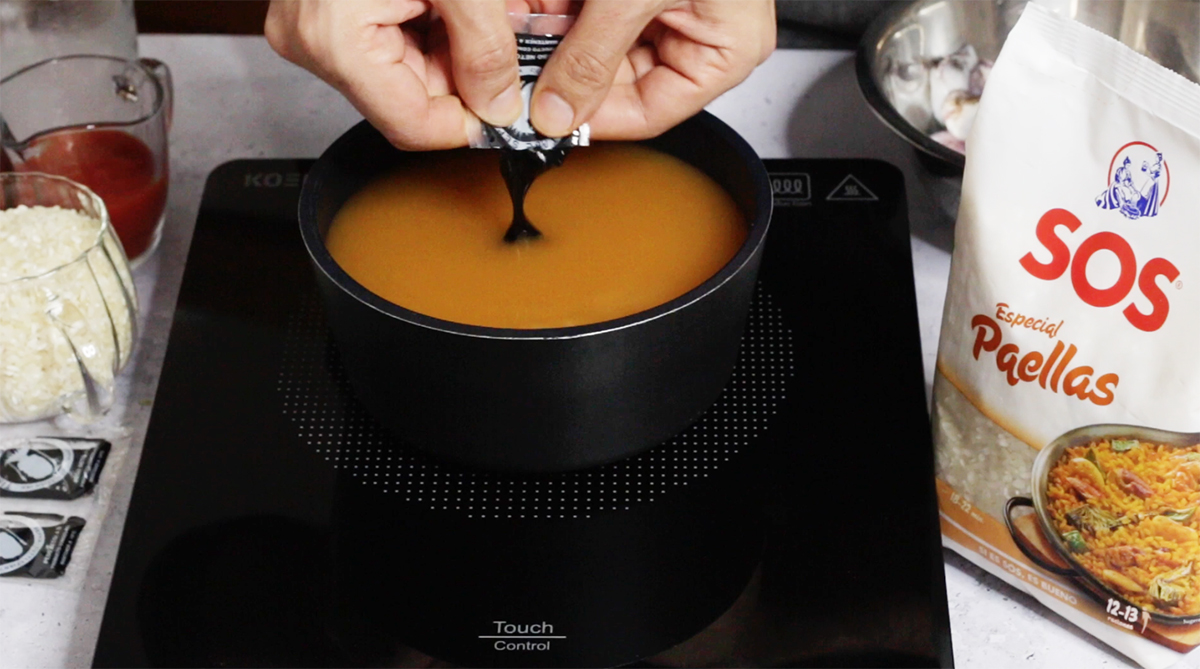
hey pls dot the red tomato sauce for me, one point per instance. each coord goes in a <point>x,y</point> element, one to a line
<point>118,167</point>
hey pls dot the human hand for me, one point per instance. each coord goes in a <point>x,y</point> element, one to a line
<point>424,84</point>
<point>634,68</point>
<point>640,66</point>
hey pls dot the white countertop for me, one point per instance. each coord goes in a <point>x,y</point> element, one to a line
<point>236,99</point>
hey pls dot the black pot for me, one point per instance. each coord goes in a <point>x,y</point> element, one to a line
<point>550,399</point>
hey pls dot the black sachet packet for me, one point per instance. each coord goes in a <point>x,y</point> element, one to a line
<point>537,36</point>
<point>37,545</point>
<point>51,467</point>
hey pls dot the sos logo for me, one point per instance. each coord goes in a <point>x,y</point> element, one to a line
<point>1144,276</point>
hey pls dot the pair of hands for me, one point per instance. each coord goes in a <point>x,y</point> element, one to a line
<point>424,72</point>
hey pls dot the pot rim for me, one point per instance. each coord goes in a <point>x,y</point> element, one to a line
<point>1041,474</point>
<point>314,243</point>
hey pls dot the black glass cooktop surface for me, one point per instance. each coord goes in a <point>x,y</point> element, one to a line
<point>265,491</point>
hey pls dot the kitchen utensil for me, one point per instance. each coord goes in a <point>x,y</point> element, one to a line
<point>64,333</point>
<point>539,400</point>
<point>100,121</point>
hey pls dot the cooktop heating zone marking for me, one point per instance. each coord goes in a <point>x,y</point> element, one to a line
<point>318,401</point>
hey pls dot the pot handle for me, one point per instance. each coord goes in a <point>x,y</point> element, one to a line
<point>1019,539</point>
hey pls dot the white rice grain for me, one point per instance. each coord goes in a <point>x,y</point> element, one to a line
<point>66,304</point>
<point>981,460</point>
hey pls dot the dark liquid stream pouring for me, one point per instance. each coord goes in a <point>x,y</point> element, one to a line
<point>520,169</point>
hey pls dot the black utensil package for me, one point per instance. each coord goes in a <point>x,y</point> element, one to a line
<point>61,468</point>
<point>37,545</point>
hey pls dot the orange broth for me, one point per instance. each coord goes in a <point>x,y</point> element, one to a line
<point>624,229</point>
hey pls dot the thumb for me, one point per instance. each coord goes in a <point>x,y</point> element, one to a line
<point>483,55</point>
<point>577,77</point>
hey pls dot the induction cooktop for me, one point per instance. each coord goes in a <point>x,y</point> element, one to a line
<point>275,523</point>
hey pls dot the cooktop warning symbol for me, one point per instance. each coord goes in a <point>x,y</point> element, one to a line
<point>851,189</point>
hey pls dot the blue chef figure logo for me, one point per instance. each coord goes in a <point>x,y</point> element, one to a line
<point>1138,181</point>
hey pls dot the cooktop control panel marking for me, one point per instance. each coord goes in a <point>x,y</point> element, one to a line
<point>516,637</point>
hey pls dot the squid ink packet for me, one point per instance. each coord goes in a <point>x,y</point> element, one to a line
<point>537,37</point>
<point>61,468</point>
<point>37,545</point>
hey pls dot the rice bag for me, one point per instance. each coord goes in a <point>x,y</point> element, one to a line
<point>1066,409</point>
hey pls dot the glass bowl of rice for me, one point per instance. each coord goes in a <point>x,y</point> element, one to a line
<point>68,308</point>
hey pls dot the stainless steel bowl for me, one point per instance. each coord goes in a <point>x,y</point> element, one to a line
<point>1168,31</point>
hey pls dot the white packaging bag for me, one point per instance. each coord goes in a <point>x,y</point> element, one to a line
<point>1067,398</point>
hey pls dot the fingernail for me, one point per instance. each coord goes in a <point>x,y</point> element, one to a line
<point>474,131</point>
<point>551,115</point>
<point>506,108</point>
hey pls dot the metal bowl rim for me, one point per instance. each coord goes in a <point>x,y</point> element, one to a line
<point>865,57</point>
